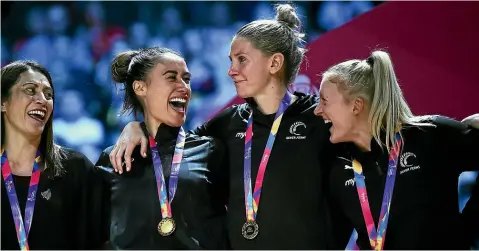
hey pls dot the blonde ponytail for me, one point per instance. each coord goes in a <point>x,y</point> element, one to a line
<point>374,80</point>
<point>388,106</point>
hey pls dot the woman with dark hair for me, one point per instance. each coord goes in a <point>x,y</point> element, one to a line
<point>46,200</point>
<point>174,198</point>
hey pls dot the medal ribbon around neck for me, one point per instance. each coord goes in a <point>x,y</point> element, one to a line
<point>22,228</point>
<point>175,169</point>
<point>252,199</point>
<point>377,237</point>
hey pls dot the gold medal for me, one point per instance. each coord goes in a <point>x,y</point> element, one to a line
<point>250,230</point>
<point>166,226</point>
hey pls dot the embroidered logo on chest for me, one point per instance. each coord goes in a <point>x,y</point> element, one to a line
<point>295,131</point>
<point>408,162</point>
<point>47,194</point>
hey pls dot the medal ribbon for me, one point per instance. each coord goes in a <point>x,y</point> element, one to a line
<point>377,238</point>
<point>22,229</point>
<point>175,169</point>
<point>252,199</point>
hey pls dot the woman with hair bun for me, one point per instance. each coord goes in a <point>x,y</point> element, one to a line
<point>173,198</point>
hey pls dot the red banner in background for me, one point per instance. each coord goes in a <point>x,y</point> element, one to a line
<point>434,47</point>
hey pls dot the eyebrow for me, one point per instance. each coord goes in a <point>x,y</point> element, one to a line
<point>322,96</point>
<point>176,73</point>
<point>36,85</point>
<point>237,54</point>
<point>170,71</point>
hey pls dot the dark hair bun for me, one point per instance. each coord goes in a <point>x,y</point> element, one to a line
<point>120,64</point>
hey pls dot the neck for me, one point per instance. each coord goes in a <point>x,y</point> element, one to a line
<point>21,150</point>
<point>152,125</point>
<point>269,100</point>
<point>363,136</point>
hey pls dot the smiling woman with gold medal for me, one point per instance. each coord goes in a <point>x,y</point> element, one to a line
<point>179,169</point>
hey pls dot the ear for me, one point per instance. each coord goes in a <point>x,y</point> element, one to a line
<point>358,105</point>
<point>276,63</point>
<point>4,107</point>
<point>139,87</point>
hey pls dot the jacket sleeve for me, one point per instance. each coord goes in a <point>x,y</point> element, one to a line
<point>89,221</point>
<point>219,191</point>
<point>339,225</point>
<point>101,196</point>
<point>459,146</point>
<point>458,143</point>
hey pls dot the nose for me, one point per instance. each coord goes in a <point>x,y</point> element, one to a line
<point>318,111</point>
<point>40,98</point>
<point>184,89</point>
<point>232,72</point>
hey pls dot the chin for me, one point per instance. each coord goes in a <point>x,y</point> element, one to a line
<point>336,140</point>
<point>242,93</point>
<point>176,122</point>
<point>35,132</point>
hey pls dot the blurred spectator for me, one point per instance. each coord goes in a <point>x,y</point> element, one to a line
<point>170,23</point>
<point>138,35</point>
<point>73,127</point>
<point>58,19</point>
<point>220,14</point>
<point>37,46</point>
<point>332,14</point>
<point>4,52</point>
<point>263,10</point>
<point>100,34</point>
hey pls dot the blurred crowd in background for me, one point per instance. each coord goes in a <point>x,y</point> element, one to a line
<point>76,42</point>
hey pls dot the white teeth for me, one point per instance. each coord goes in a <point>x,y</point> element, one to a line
<point>327,121</point>
<point>38,112</point>
<point>181,100</point>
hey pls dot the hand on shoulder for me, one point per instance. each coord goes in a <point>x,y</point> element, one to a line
<point>472,121</point>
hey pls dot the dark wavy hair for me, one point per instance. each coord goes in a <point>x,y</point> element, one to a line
<point>52,153</point>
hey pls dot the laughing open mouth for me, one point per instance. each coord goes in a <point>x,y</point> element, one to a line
<point>37,115</point>
<point>178,104</point>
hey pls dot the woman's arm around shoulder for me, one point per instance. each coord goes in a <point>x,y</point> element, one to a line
<point>459,142</point>
<point>216,125</point>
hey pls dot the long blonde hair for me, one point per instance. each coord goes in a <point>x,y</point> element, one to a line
<point>375,81</point>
